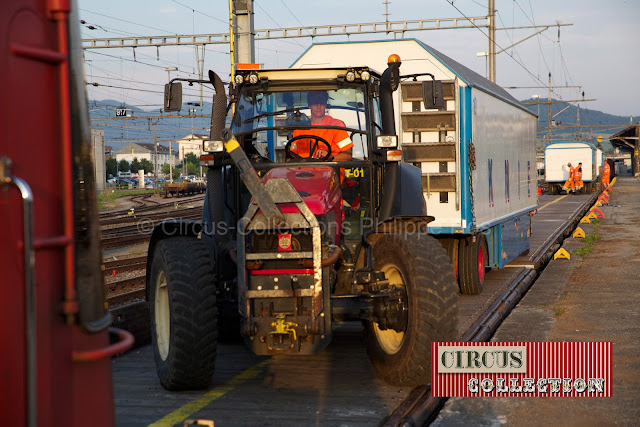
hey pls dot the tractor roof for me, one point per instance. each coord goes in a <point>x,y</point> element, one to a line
<point>288,75</point>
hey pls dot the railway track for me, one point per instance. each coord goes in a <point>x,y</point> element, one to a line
<point>127,227</point>
<point>128,289</point>
<point>145,225</point>
<point>163,212</point>
<point>153,204</point>
<point>133,235</point>
<point>143,199</point>
<point>126,264</point>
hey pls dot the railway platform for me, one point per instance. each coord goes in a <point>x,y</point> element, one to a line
<point>337,386</point>
<point>589,298</point>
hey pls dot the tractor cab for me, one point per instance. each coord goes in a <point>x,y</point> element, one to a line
<point>272,121</point>
<point>275,109</point>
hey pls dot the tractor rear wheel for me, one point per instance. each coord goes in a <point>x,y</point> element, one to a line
<point>183,313</point>
<point>420,265</point>
<point>472,260</point>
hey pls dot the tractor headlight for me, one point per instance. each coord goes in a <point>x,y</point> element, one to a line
<point>253,78</point>
<point>387,141</point>
<point>365,75</point>
<point>351,76</point>
<point>213,146</point>
<point>238,79</point>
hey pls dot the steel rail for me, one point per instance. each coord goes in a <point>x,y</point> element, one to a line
<point>124,268</point>
<point>160,205</point>
<point>145,225</point>
<point>126,290</point>
<point>119,263</point>
<point>126,298</point>
<point>118,225</point>
<point>157,213</point>
<point>128,240</point>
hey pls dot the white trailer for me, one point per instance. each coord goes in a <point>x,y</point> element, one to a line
<point>477,153</point>
<point>558,155</point>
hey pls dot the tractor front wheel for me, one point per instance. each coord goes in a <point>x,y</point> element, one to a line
<point>420,265</point>
<point>183,313</point>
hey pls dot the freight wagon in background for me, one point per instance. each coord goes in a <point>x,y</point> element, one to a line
<point>477,152</point>
<point>557,156</point>
<point>184,188</point>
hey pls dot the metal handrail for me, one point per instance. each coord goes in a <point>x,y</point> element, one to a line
<point>29,274</point>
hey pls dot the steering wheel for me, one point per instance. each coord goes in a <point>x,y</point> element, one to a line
<point>317,140</point>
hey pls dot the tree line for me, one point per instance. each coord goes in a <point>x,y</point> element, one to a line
<point>191,166</point>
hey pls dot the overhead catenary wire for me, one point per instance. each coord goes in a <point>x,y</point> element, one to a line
<point>126,59</point>
<point>294,16</point>
<point>96,84</point>
<point>108,29</point>
<point>544,58</point>
<point>200,12</point>
<point>542,84</point>
<point>144,63</point>
<point>128,22</point>
<point>274,21</point>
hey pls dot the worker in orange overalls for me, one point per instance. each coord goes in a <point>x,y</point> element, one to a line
<point>606,173</point>
<point>577,178</point>
<point>339,139</point>
<point>569,183</point>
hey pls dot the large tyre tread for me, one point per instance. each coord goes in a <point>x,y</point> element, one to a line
<point>468,279</point>
<point>193,337</point>
<point>434,292</point>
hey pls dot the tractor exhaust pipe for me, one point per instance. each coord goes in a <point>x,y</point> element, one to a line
<point>215,179</point>
<point>219,110</point>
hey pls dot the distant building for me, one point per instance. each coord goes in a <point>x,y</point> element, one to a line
<point>146,151</point>
<point>108,152</point>
<point>191,144</point>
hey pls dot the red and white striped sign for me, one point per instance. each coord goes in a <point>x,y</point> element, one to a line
<point>500,369</point>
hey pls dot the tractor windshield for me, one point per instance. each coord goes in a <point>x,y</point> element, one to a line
<point>268,119</point>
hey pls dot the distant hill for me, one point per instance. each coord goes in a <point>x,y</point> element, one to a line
<point>605,124</point>
<point>175,126</point>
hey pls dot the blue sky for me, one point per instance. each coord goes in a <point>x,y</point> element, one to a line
<point>599,52</point>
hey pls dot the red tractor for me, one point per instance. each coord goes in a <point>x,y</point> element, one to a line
<point>291,243</point>
<point>55,340</point>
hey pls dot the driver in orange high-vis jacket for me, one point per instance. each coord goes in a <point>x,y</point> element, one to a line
<point>341,144</point>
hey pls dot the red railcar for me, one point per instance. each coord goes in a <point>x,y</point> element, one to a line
<point>55,343</point>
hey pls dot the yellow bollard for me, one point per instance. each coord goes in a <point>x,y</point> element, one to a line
<point>591,216</point>
<point>585,220</point>
<point>598,203</point>
<point>562,253</point>
<point>579,232</point>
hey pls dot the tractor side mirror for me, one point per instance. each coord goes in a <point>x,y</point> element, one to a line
<point>173,97</point>
<point>432,94</point>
